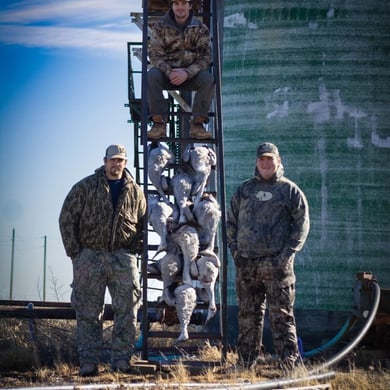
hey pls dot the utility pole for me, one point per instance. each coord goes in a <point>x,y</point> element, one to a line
<point>12,264</point>
<point>44,267</point>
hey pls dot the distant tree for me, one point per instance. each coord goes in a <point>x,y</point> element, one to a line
<point>57,288</point>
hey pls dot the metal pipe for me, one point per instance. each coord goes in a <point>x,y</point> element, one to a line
<point>351,320</point>
<point>360,335</point>
<point>275,384</point>
<point>210,386</point>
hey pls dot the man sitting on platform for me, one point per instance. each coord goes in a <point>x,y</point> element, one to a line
<point>180,56</point>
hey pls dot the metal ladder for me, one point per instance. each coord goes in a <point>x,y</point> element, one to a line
<point>177,140</point>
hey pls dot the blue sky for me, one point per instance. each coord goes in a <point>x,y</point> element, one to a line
<point>63,87</point>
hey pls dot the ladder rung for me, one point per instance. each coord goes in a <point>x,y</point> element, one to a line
<point>192,335</point>
<point>187,140</point>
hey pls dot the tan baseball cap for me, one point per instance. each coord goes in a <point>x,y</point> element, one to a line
<point>116,151</point>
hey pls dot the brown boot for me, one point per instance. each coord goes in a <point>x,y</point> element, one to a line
<point>197,130</point>
<point>159,128</point>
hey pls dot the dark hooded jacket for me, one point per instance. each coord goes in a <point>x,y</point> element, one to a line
<point>88,218</point>
<point>267,218</point>
<point>175,46</point>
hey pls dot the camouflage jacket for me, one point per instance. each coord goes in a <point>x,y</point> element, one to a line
<point>88,219</point>
<point>267,218</point>
<point>170,47</point>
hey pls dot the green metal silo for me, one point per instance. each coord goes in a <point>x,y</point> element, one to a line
<point>314,78</point>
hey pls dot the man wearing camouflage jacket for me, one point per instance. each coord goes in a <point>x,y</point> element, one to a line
<point>180,56</point>
<point>101,224</point>
<point>267,223</point>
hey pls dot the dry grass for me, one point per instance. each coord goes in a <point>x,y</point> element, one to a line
<point>49,358</point>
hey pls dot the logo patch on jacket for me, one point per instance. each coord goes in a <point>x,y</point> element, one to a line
<point>263,196</point>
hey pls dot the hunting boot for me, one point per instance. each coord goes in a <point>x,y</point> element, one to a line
<point>159,128</point>
<point>121,365</point>
<point>197,130</point>
<point>88,369</point>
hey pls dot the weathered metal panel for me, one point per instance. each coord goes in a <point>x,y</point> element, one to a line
<point>314,78</point>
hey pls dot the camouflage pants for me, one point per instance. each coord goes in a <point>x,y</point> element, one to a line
<point>260,282</point>
<point>93,271</point>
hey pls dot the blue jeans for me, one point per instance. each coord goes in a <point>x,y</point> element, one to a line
<point>202,84</point>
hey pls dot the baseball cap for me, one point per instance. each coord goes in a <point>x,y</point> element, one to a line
<point>116,151</point>
<point>267,149</point>
<point>172,1</point>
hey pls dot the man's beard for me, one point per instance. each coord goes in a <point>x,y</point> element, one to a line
<point>116,172</point>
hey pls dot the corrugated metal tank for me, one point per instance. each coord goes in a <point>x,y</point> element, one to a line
<point>314,78</point>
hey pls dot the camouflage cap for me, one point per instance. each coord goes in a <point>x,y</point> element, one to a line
<point>267,149</point>
<point>116,151</point>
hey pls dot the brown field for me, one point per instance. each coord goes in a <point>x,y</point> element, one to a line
<point>48,357</point>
